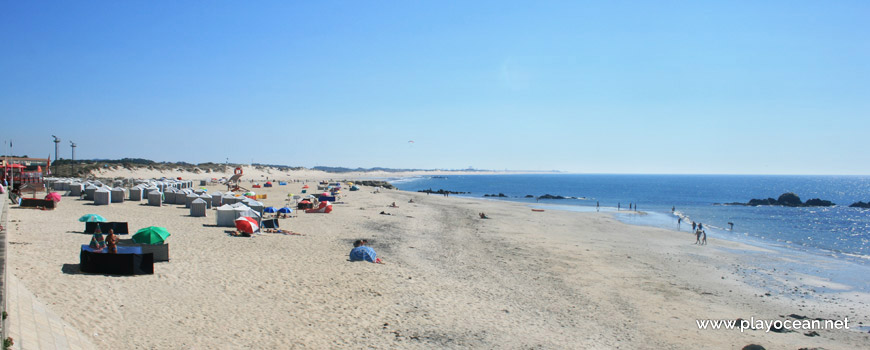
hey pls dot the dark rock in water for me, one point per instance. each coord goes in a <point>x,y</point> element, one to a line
<point>441,191</point>
<point>753,347</point>
<point>495,195</point>
<point>530,196</point>
<point>815,202</point>
<point>374,183</point>
<point>757,202</point>
<point>787,200</point>
<point>550,196</point>
<point>860,204</point>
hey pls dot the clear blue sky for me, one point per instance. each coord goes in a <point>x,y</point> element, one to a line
<point>754,87</point>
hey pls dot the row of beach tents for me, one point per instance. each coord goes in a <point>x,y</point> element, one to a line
<point>161,192</point>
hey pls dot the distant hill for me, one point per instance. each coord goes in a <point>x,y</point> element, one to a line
<point>334,169</point>
<point>85,167</point>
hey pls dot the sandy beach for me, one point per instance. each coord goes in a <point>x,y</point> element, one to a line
<point>521,279</point>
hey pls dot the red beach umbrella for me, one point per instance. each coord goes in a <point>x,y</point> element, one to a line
<point>247,224</point>
<point>306,186</point>
<point>53,196</point>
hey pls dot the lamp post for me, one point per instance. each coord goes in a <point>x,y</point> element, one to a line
<point>73,164</point>
<point>56,142</point>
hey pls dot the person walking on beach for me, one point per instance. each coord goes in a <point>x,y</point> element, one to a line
<point>694,226</point>
<point>731,225</point>
<point>679,221</point>
<point>597,206</point>
<point>617,206</point>
<point>703,237</point>
<point>698,236</point>
<point>673,209</point>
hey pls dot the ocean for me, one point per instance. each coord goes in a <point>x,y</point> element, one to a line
<point>838,235</point>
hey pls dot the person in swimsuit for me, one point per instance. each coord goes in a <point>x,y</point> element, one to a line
<point>112,242</point>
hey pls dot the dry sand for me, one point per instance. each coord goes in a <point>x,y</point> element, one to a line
<point>522,279</point>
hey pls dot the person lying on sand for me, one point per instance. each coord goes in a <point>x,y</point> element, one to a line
<point>238,233</point>
<point>362,252</point>
<point>385,213</point>
<point>286,232</point>
<point>411,201</point>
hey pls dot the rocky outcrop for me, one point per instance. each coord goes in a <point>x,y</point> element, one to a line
<point>815,202</point>
<point>375,183</point>
<point>500,195</point>
<point>789,199</point>
<point>550,196</point>
<point>441,191</point>
<point>860,204</point>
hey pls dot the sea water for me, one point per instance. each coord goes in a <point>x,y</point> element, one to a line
<point>837,235</point>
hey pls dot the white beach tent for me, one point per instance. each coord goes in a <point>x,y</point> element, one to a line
<point>176,196</point>
<point>155,198</point>
<point>135,194</point>
<point>230,199</point>
<point>169,196</point>
<point>76,188</point>
<point>206,198</point>
<point>216,199</point>
<point>89,191</point>
<point>189,199</point>
<point>198,207</point>
<point>102,196</point>
<point>226,215</point>
<point>255,206</point>
<point>243,210</point>
<point>118,195</point>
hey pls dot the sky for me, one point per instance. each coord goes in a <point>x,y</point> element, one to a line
<point>673,87</point>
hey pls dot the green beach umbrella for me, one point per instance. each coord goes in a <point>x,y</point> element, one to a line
<point>92,218</point>
<point>151,235</point>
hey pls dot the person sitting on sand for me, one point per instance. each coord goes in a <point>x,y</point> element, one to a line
<point>483,216</point>
<point>394,205</point>
<point>362,252</point>
<point>411,201</point>
<point>112,242</point>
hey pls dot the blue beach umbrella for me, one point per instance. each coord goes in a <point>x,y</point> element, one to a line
<point>92,218</point>
<point>270,210</point>
<point>285,210</point>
